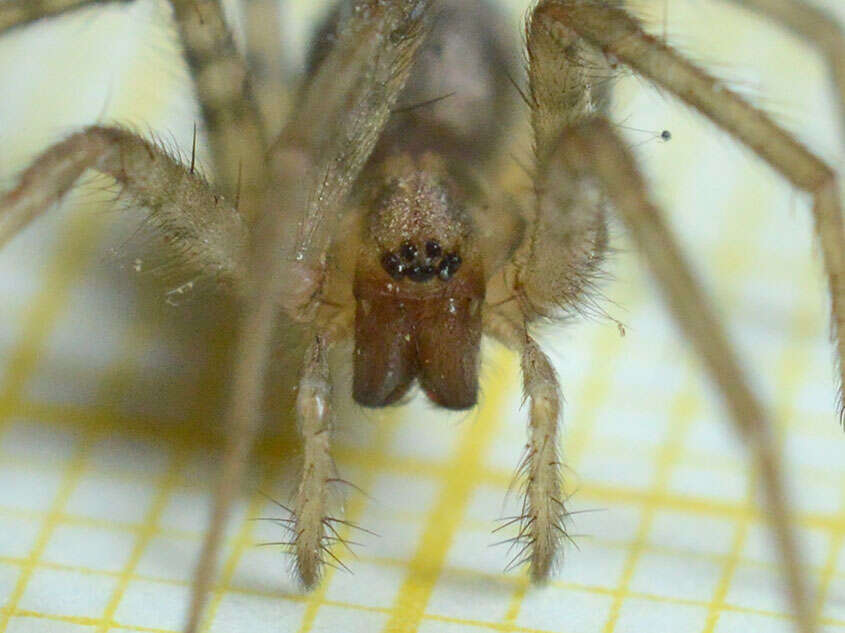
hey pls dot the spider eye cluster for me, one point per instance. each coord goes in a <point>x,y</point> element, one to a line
<point>421,264</point>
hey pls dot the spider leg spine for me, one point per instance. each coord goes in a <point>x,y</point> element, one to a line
<point>203,231</point>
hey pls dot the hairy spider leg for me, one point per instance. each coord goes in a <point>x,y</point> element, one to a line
<point>311,169</point>
<point>818,28</point>
<point>22,12</point>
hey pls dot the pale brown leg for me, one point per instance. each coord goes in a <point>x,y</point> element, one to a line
<point>22,12</point>
<point>343,110</point>
<point>314,417</point>
<point>265,60</point>
<point>817,28</point>
<point>225,93</point>
<point>311,169</point>
<point>252,355</point>
<point>204,230</point>
<point>594,151</point>
<point>541,521</point>
<point>617,34</point>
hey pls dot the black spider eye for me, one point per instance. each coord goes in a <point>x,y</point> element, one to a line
<point>449,266</point>
<point>421,273</point>
<point>408,251</point>
<point>433,249</point>
<point>393,265</point>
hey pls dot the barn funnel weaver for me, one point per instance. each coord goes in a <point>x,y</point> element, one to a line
<point>530,300</point>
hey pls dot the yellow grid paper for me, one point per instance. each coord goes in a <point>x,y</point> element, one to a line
<point>106,390</point>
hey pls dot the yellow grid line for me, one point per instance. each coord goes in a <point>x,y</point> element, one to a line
<point>434,617</point>
<point>830,522</point>
<point>458,480</point>
<point>683,410</point>
<point>829,570</point>
<point>593,491</point>
<point>786,388</point>
<point>717,602</point>
<point>116,382</point>
<point>726,264</point>
<point>70,478</point>
<point>576,441</point>
<point>106,418</point>
<point>648,500</point>
<point>145,533</point>
<point>61,271</point>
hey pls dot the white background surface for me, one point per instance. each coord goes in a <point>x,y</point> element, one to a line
<point>103,487</point>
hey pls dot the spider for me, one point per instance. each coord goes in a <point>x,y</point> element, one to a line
<point>380,233</point>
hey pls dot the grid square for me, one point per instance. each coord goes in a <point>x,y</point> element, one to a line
<point>54,384</point>
<point>430,442</point>
<point>834,604</point>
<point>68,593</point>
<point>19,534</point>
<point>28,490</point>
<point>467,596</point>
<point>44,625</point>
<point>109,455</point>
<point>756,587</point>
<point>733,622</point>
<point>686,532</point>
<point>188,509</point>
<point>403,495</point>
<point>759,546</point>
<point>823,497</point>
<point>593,563</point>
<point>100,496</point>
<point>471,551</point>
<point>708,438</point>
<point>89,547</point>
<point>393,539</point>
<point>368,585</point>
<point>264,569</point>
<point>638,426</point>
<point>36,442</point>
<point>8,579</point>
<point>169,558</point>
<point>331,619</point>
<point>603,521</point>
<point>171,602</point>
<point>622,469</point>
<point>638,615</point>
<point>489,503</point>
<point>257,614</point>
<point>573,611</point>
<point>808,451</point>
<point>710,483</point>
<point>676,577</point>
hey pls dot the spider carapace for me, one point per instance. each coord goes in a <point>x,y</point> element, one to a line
<point>419,285</point>
<point>420,275</point>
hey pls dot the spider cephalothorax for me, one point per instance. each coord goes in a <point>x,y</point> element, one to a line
<point>419,286</point>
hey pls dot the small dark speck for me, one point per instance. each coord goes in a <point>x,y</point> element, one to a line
<point>432,249</point>
<point>449,266</point>
<point>421,273</point>
<point>408,251</point>
<point>393,265</point>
